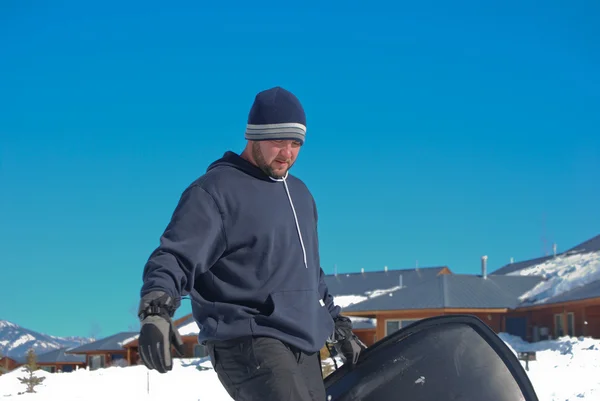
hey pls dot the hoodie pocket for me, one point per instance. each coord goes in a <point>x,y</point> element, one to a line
<point>299,313</point>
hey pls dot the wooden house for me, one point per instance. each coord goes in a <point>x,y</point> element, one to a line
<point>109,351</point>
<point>7,364</point>
<point>575,312</point>
<point>60,360</point>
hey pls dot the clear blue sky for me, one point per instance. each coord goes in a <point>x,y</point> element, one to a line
<point>436,133</point>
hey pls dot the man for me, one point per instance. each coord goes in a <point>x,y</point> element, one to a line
<point>242,242</point>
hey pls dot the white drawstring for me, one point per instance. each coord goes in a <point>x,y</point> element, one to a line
<point>295,216</point>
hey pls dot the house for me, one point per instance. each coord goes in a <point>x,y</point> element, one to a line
<point>188,330</point>
<point>488,298</point>
<point>59,360</point>
<point>390,300</point>
<point>7,364</point>
<point>107,351</point>
<point>382,302</point>
<point>574,311</point>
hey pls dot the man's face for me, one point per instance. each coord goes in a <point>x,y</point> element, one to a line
<point>275,157</point>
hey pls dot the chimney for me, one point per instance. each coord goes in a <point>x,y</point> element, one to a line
<point>554,248</point>
<point>484,266</point>
<point>335,270</point>
<point>512,260</point>
<point>400,281</point>
<point>385,268</point>
<point>362,270</point>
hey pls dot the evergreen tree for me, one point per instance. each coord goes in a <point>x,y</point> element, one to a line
<point>31,381</point>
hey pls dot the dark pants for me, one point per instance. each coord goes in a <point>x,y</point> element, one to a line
<point>265,369</point>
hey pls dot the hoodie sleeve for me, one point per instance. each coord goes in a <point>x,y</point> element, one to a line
<point>191,243</point>
<point>323,290</point>
<point>334,310</point>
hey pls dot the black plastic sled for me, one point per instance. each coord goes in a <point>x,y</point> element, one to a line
<point>442,358</point>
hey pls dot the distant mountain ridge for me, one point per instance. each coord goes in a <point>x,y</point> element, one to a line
<point>15,341</point>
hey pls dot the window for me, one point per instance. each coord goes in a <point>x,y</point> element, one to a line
<point>559,330</point>
<point>96,361</point>
<point>394,325</point>
<point>571,324</point>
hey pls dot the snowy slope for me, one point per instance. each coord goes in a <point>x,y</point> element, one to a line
<point>562,273</point>
<point>15,340</point>
<point>566,370</point>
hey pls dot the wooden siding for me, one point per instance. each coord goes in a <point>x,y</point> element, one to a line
<point>367,336</point>
<point>8,364</point>
<point>493,318</point>
<point>585,318</point>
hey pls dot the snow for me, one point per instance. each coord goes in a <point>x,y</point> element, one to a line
<point>189,329</point>
<point>343,301</point>
<point>25,338</point>
<point>16,340</point>
<point>562,273</point>
<point>565,370</point>
<point>128,340</point>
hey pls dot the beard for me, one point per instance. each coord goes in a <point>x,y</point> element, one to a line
<point>264,166</point>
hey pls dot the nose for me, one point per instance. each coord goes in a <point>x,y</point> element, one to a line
<point>286,151</point>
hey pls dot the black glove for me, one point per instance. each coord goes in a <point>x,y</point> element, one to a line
<point>345,342</point>
<point>157,332</point>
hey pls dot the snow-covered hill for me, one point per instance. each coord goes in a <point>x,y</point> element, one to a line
<point>15,340</point>
<point>565,370</point>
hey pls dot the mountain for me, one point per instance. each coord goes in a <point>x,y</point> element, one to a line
<point>15,340</point>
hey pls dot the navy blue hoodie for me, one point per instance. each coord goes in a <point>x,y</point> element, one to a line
<point>245,248</point>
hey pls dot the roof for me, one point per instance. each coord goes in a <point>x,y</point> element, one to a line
<point>461,291</point>
<point>59,356</point>
<point>591,245</point>
<point>368,281</point>
<point>111,343</point>
<point>516,266</point>
<point>587,291</point>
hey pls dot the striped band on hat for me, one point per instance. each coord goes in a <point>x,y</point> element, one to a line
<point>262,132</point>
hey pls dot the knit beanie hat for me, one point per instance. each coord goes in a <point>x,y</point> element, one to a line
<point>276,114</point>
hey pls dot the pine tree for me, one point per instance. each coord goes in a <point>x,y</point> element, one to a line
<point>30,367</point>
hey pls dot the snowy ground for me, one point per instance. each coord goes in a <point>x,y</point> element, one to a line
<point>566,370</point>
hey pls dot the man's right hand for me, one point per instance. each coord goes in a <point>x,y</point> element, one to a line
<point>157,332</point>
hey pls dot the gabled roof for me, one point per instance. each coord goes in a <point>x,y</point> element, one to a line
<point>591,245</point>
<point>461,291</point>
<point>59,356</point>
<point>368,281</point>
<point>111,343</point>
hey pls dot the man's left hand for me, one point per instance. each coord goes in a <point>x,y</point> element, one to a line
<point>346,343</point>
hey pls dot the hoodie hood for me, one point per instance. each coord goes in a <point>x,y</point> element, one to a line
<point>231,159</point>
